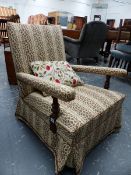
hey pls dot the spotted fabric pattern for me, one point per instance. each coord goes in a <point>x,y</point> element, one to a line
<point>117,72</point>
<point>60,91</point>
<point>87,113</point>
<point>34,43</point>
<point>82,123</point>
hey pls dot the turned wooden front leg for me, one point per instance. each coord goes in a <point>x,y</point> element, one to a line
<point>107,82</point>
<point>110,61</point>
<point>55,114</point>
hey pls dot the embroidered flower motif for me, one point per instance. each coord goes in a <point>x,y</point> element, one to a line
<point>36,74</point>
<point>74,81</point>
<point>57,81</point>
<point>56,71</point>
<point>47,67</point>
<point>68,65</point>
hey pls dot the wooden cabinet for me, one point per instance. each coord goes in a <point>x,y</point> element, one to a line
<point>79,22</point>
<point>10,68</point>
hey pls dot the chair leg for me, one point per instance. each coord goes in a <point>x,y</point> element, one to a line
<point>117,64</point>
<point>105,59</point>
<point>129,67</point>
<point>96,59</point>
<point>121,63</point>
<point>111,61</point>
<point>78,61</point>
<point>107,82</point>
<point>125,65</point>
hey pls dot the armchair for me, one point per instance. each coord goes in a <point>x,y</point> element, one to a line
<point>70,121</point>
<point>89,43</point>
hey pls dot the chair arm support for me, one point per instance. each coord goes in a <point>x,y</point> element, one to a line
<point>71,40</point>
<point>116,72</point>
<point>56,90</point>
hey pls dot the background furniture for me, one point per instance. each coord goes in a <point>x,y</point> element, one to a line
<point>66,18</point>
<point>75,34</point>
<point>121,56</point>
<point>69,130</point>
<point>37,19</point>
<point>89,43</point>
<point>111,34</point>
<point>127,22</point>
<point>6,11</point>
<point>3,32</point>
<point>127,26</point>
<point>3,23</point>
<point>61,17</point>
<point>50,20</point>
<point>111,23</point>
<point>79,22</point>
<point>97,17</point>
<point>10,67</point>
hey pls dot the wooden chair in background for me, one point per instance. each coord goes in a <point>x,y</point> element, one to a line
<point>121,55</point>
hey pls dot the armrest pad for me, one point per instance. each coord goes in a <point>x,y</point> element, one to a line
<point>117,72</point>
<point>71,40</point>
<point>59,91</point>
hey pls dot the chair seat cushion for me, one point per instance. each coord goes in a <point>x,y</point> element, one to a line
<point>124,48</point>
<point>91,107</point>
<point>121,55</point>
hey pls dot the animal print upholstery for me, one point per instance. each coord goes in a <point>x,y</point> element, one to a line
<point>87,113</point>
<point>34,43</point>
<point>82,123</point>
<point>117,72</point>
<point>60,91</point>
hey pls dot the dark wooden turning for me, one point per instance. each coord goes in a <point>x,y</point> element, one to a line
<point>107,82</point>
<point>55,114</point>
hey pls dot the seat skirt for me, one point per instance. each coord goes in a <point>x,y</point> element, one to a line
<point>82,123</point>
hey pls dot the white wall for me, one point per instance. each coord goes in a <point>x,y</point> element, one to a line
<point>119,10</point>
<point>98,11</point>
<point>26,8</point>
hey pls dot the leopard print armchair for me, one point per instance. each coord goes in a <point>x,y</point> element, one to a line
<point>83,115</point>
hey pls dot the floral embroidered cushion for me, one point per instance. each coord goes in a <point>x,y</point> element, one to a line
<point>56,71</point>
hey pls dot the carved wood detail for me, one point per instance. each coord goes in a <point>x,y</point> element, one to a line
<point>55,114</point>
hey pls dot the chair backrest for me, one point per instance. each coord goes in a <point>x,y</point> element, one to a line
<point>92,38</point>
<point>33,43</point>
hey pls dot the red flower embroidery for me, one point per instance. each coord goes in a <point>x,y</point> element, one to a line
<point>57,81</point>
<point>47,67</point>
<point>36,74</point>
<point>74,81</point>
<point>68,65</point>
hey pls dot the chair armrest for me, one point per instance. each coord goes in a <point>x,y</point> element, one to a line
<point>117,72</point>
<point>56,90</point>
<point>71,40</point>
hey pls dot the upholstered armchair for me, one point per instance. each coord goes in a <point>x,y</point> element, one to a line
<point>70,120</point>
<point>89,43</point>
